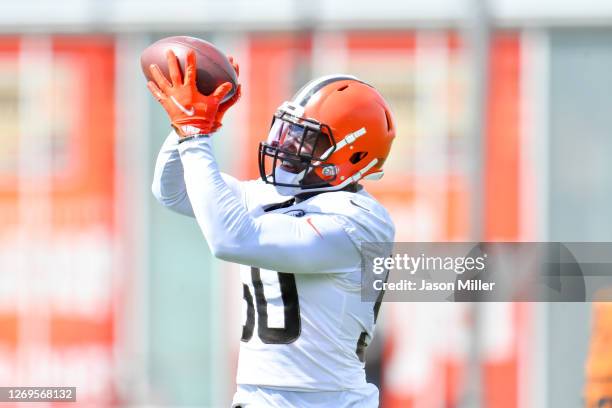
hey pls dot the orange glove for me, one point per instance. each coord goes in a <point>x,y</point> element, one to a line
<point>190,112</point>
<point>230,102</point>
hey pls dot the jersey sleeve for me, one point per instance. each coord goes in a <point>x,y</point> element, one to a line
<point>168,185</point>
<point>280,242</point>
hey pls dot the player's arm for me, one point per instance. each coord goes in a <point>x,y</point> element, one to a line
<point>312,244</point>
<point>168,185</point>
<point>271,241</point>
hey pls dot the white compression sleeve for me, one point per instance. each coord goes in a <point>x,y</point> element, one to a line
<point>280,242</point>
<point>168,185</point>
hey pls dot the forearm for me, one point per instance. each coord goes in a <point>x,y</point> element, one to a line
<point>219,212</point>
<point>168,181</point>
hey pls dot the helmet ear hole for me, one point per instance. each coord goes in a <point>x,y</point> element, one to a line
<point>357,157</point>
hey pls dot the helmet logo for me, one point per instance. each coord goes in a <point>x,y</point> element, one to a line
<point>329,171</point>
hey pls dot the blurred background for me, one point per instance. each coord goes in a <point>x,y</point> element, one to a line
<point>503,117</point>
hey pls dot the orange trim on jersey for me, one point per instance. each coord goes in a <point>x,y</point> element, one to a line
<point>309,221</point>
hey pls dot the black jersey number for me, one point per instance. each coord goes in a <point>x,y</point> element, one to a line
<point>291,307</point>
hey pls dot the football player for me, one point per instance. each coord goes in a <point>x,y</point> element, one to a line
<point>297,230</point>
<point>598,384</point>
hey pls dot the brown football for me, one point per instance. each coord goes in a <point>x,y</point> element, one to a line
<point>213,67</point>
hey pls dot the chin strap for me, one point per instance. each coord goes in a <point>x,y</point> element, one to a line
<point>375,176</point>
<point>359,175</point>
<point>353,179</point>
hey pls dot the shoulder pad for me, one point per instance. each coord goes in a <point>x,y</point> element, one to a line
<point>364,218</point>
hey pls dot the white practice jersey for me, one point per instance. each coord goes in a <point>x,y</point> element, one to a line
<point>305,327</point>
<point>307,331</point>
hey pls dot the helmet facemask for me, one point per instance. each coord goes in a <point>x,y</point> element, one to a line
<point>293,156</point>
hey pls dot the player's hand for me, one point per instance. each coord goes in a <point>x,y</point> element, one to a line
<point>190,112</point>
<point>230,102</point>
